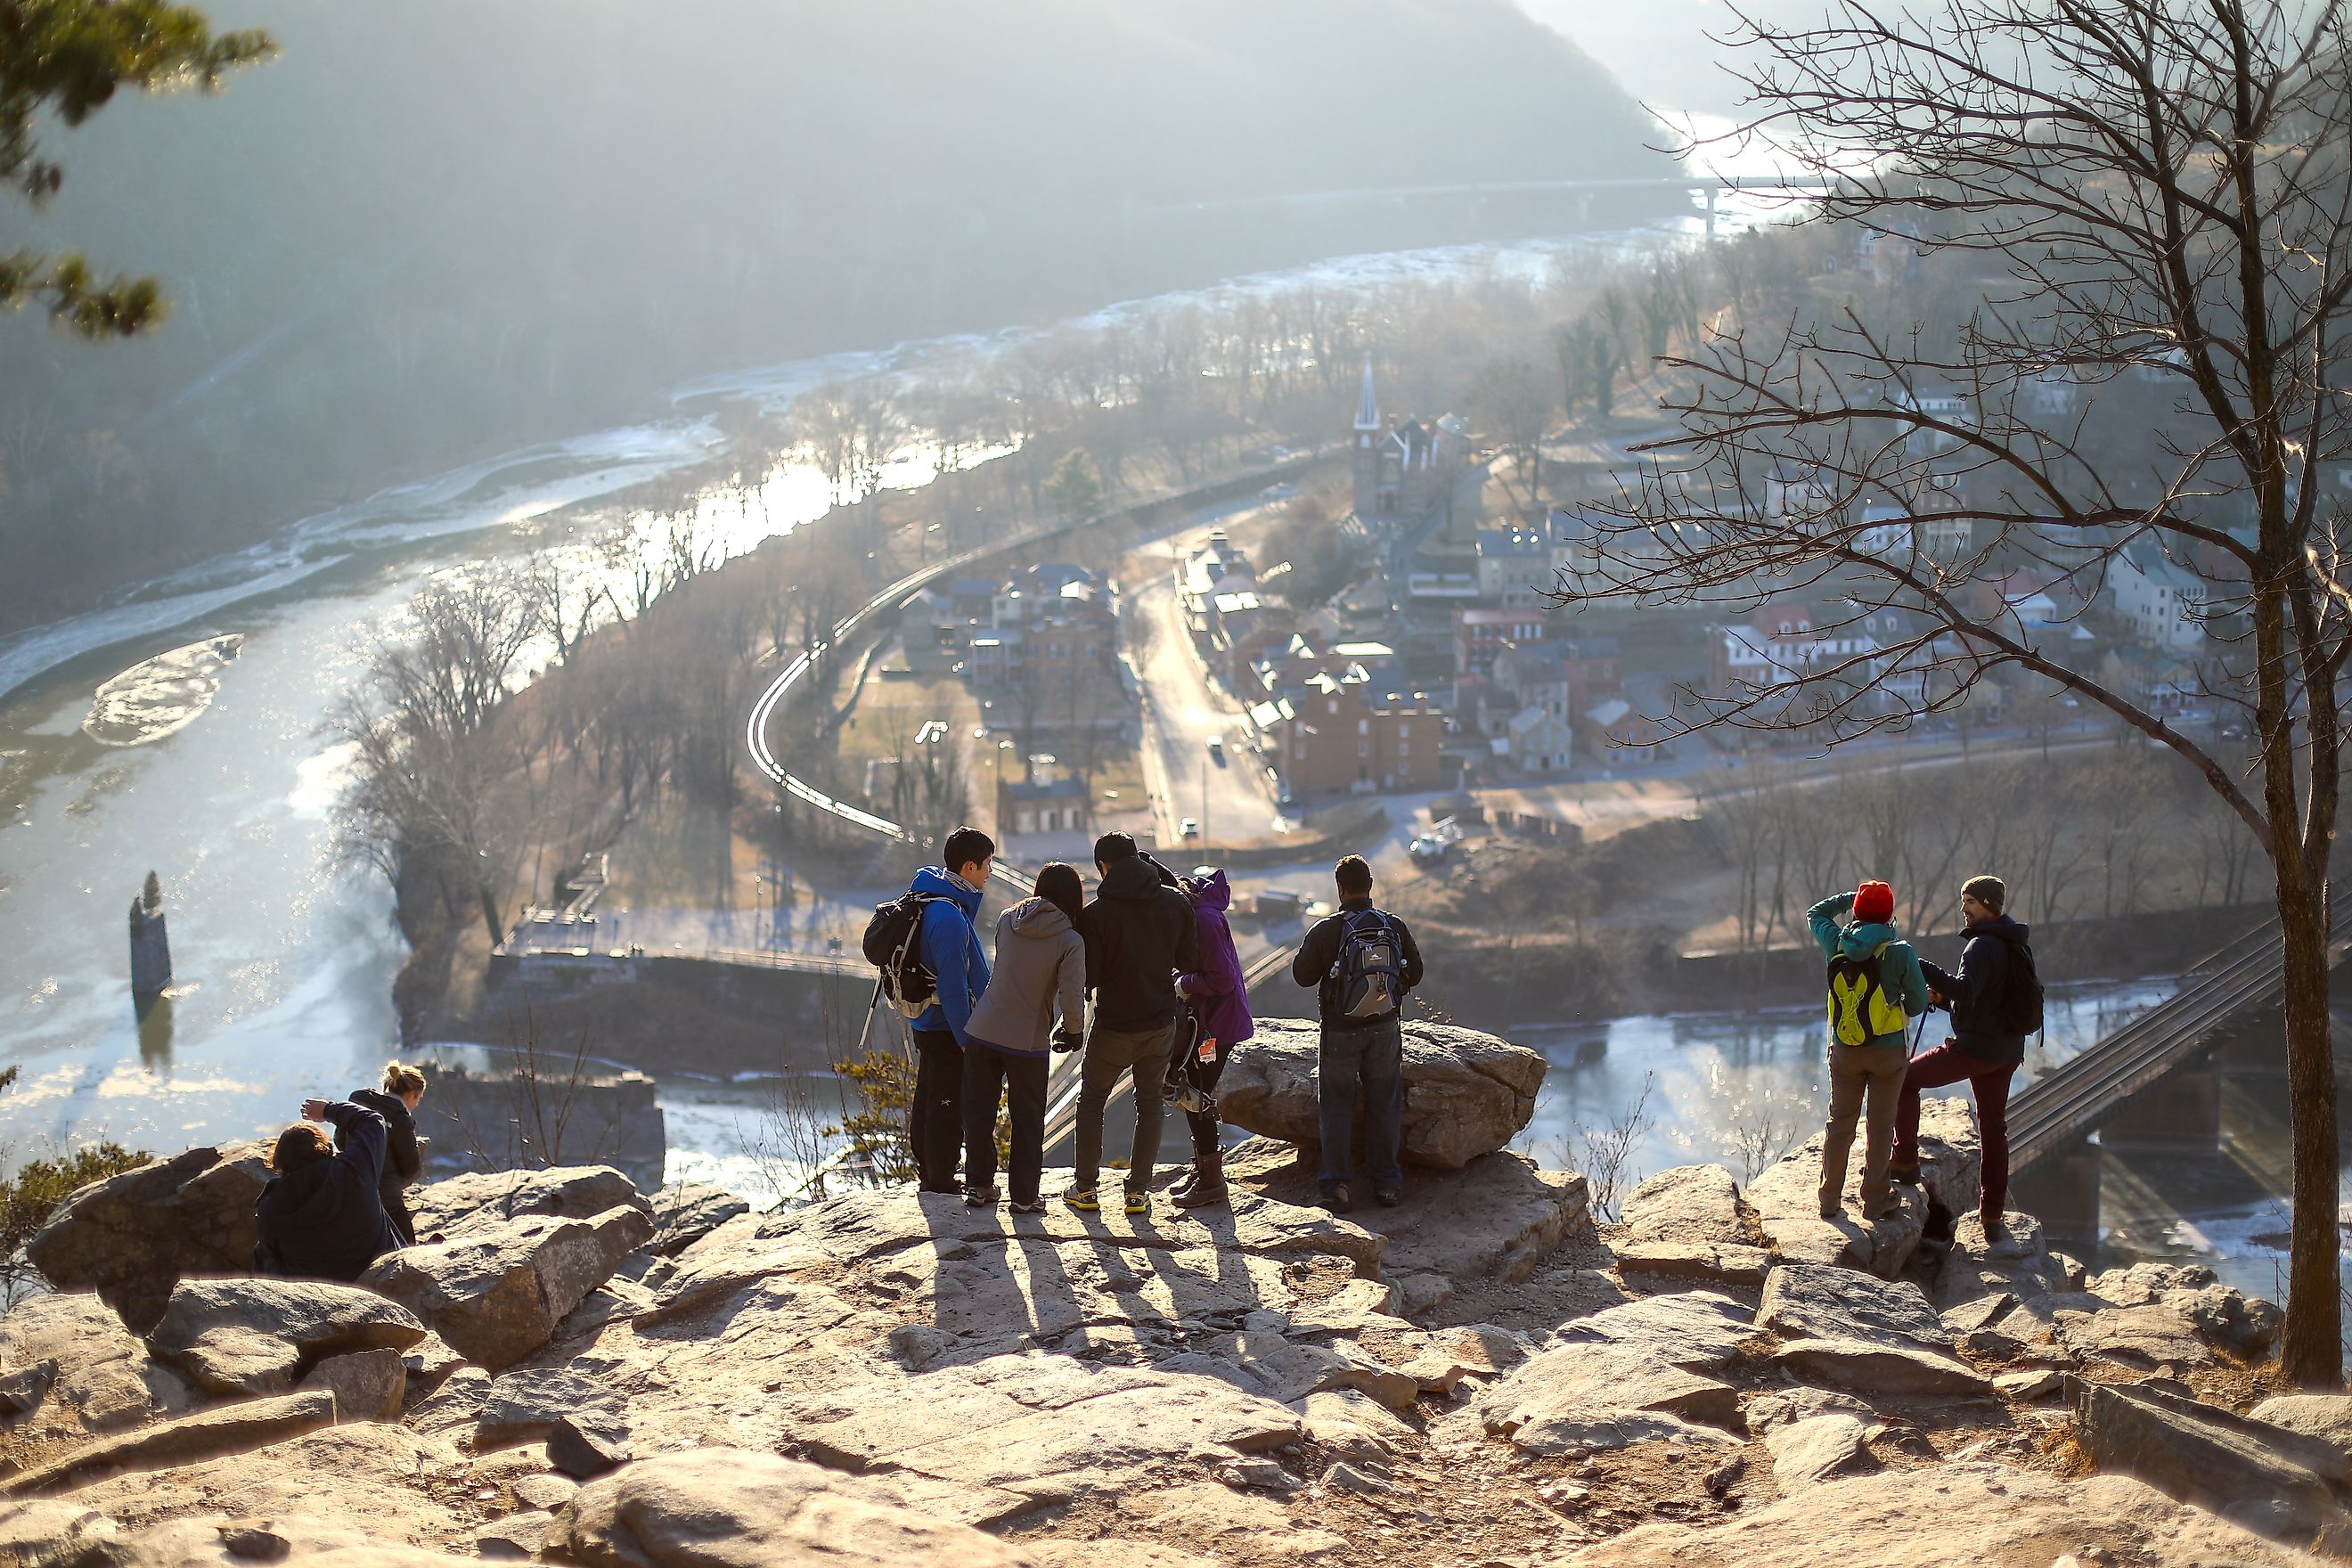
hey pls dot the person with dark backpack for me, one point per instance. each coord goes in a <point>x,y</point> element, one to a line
<point>1875,987</point>
<point>1140,935</point>
<point>1362,962</point>
<point>943,969</point>
<point>1995,1000</point>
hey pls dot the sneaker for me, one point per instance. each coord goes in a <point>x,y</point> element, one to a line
<point>1337,1199</point>
<point>1389,1199</point>
<point>1907,1174</point>
<point>1139,1203</point>
<point>980,1198</point>
<point>1083,1199</point>
<point>1034,1206</point>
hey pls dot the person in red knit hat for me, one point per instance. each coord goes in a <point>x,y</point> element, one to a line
<point>1875,987</point>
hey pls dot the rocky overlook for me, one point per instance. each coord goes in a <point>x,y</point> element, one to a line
<point>570,1371</point>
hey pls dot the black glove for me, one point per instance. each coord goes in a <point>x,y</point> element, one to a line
<point>1068,1041</point>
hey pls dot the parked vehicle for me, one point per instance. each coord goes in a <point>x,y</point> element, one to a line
<point>1188,828</point>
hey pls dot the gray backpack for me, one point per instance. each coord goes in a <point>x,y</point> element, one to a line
<point>1367,976</point>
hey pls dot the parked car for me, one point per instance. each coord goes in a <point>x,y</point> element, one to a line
<point>1188,828</point>
<point>1217,749</point>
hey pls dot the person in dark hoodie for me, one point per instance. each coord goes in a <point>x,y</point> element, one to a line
<point>1875,985</point>
<point>1041,961</point>
<point>404,1156</point>
<point>1139,932</point>
<point>951,949</point>
<point>321,1217</point>
<point>1216,1000</point>
<point>1995,961</point>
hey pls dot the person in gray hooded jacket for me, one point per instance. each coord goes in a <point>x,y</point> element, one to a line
<point>1041,962</point>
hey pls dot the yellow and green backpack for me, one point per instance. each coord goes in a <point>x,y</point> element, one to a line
<point>1859,1008</point>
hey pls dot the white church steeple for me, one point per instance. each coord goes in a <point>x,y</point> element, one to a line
<point>1368,412</point>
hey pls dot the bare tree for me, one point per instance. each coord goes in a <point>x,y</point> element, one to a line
<point>1512,402</point>
<point>2155,195</point>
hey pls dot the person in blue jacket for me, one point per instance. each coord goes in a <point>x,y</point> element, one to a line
<point>1875,985</point>
<point>950,950</point>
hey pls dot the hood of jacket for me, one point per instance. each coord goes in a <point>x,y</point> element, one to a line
<point>934,882</point>
<point>1131,877</point>
<point>2014,932</point>
<point>1038,917</point>
<point>304,1197</point>
<point>1857,940</point>
<point>1210,893</point>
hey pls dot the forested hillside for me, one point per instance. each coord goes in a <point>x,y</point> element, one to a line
<point>431,230</point>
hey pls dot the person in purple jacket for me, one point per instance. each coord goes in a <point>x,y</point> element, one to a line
<point>1216,1001</point>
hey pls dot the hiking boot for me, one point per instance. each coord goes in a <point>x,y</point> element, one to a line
<point>1206,1189</point>
<point>1084,1200</point>
<point>1907,1174</point>
<point>1337,1199</point>
<point>980,1197</point>
<point>1832,1211</point>
<point>1034,1205</point>
<point>1389,1199</point>
<point>1139,1203</point>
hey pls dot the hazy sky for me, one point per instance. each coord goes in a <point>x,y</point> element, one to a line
<point>1658,48</point>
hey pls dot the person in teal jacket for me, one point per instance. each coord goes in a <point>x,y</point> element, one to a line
<point>1875,987</point>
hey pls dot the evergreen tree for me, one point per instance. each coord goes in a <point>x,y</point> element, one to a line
<point>67,59</point>
<point>1076,489</point>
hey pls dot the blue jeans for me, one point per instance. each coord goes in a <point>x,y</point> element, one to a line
<point>1370,1056</point>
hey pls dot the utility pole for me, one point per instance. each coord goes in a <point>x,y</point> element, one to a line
<point>1204,805</point>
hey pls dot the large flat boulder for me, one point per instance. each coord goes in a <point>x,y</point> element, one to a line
<point>1692,1328</point>
<point>226,1429</point>
<point>1804,1300</point>
<point>371,1477</point>
<point>2274,1481</point>
<point>449,1207</point>
<point>131,1236</point>
<point>2328,1416</point>
<point>1466,1093</point>
<point>71,1369</point>
<point>1786,1198</point>
<point>1881,1366</point>
<point>1580,1399</point>
<point>259,1335</point>
<point>1975,1512</point>
<point>496,1290</point>
<point>1689,1204</point>
<point>725,1508</point>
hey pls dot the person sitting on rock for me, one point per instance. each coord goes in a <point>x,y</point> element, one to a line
<point>1875,987</point>
<point>403,1157</point>
<point>1216,1001</point>
<point>320,1216</point>
<point>1362,962</point>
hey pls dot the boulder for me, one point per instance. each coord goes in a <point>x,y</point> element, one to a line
<point>455,1405</point>
<point>1686,1204</point>
<point>725,1508</point>
<point>1808,1452</point>
<point>228,1430</point>
<point>1466,1093</point>
<point>2276,1482</point>
<point>524,1406</point>
<point>1786,1198</point>
<point>72,1369</point>
<point>131,1236</point>
<point>1807,1301</point>
<point>1961,1512</point>
<point>496,1290</point>
<point>1693,1329</point>
<point>447,1208</point>
<point>584,1444</point>
<point>257,1335</point>
<point>517,1537</point>
<point>2328,1416</point>
<point>367,1476</point>
<point>1714,1262</point>
<point>2220,1316</point>
<point>1580,1399</point>
<point>1881,1367</point>
<point>367,1385</point>
<point>686,1212</point>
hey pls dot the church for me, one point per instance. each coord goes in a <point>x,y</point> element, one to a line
<point>1405,470</point>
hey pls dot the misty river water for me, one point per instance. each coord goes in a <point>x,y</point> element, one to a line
<point>284,959</point>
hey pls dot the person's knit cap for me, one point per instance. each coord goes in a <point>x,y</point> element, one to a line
<point>1990,891</point>
<point>1874,902</point>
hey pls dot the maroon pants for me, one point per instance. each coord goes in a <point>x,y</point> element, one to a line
<point>1990,1083</point>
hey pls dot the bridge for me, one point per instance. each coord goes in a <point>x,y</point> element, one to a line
<point>1708,185</point>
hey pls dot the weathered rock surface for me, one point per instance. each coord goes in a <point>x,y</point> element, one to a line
<point>1580,1399</point>
<point>1808,1301</point>
<point>229,1429</point>
<point>1977,1513</point>
<point>131,1238</point>
<point>1466,1094</point>
<point>74,1369</point>
<point>232,1361</point>
<point>259,1335</point>
<point>365,1476</point>
<point>686,1212</point>
<point>450,1207</point>
<point>1713,1261</point>
<point>2274,1481</point>
<point>367,1385</point>
<point>1808,1452</point>
<point>720,1507</point>
<point>524,1406</point>
<point>1786,1198</point>
<point>1697,1329</point>
<point>2328,1416</point>
<point>1493,1220</point>
<point>1871,1366</point>
<point>1687,1204</point>
<point>497,1288</point>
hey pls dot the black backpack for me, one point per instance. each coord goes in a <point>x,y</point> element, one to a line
<point>894,946</point>
<point>2019,1009</point>
<point>1368,974</point>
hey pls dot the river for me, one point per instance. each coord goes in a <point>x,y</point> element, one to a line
<point>284,959</point>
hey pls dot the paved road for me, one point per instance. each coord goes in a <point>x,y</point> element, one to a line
<point>1183,711</point>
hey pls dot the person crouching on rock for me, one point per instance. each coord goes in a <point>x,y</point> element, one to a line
<point>1361,961</point>
<point>1875,987</point>
<point>1217,1018</point>
<point>1041,961</point>
<point>321,1217</point>
<point>404,1156</point>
